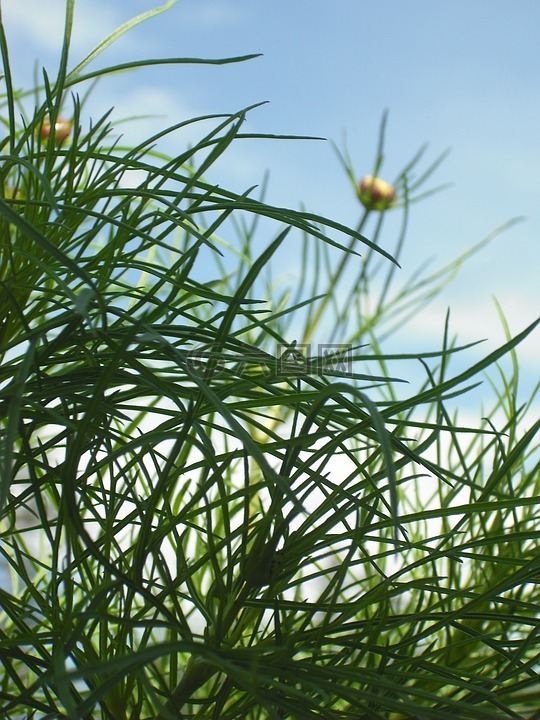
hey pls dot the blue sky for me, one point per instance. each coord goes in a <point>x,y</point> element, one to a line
<point>462,75</point>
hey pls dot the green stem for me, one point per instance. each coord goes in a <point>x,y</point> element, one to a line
<point>197,673</point>
<point>334,279</point>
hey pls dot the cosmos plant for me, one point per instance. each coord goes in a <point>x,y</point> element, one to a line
<point>219,498</point>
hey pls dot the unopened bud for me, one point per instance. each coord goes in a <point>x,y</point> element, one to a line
<point>375,193</point>
<point>62,130</point>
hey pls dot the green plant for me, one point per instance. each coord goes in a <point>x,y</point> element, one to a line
<point>201,517</point>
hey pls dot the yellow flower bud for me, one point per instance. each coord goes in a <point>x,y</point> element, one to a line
<point>375,193</point>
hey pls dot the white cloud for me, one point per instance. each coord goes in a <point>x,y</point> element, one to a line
<point>43,31</point>
<point>145,110</point>
<point>95,19</point>
<point>474,319</point>
<point>46,29</point>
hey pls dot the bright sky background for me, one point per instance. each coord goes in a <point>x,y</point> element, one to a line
<point>457,74</point>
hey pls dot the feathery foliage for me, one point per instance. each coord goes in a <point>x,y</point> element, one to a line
<point>203,513</point>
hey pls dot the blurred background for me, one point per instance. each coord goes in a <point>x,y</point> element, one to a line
<point>456,75</point>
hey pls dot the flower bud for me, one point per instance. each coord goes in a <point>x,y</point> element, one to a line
<point>375,193</point>
<point>62,130</point>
